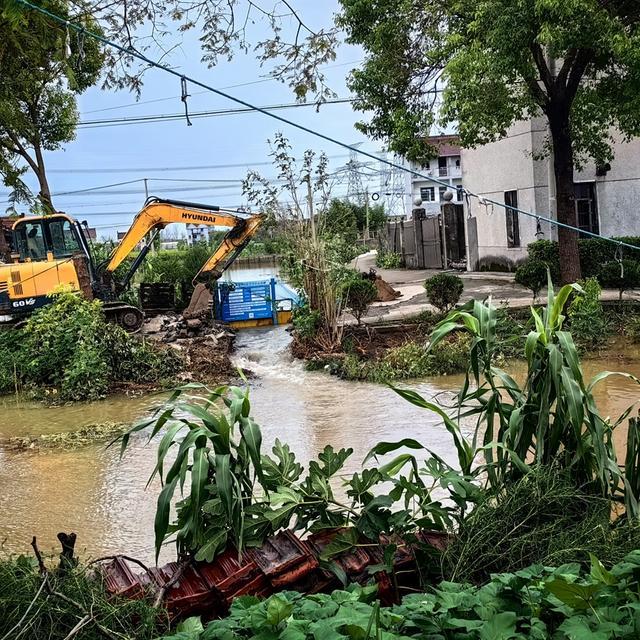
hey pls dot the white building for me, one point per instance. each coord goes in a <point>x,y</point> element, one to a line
<point>447,167</point>
<point>197,233</point>
<point>511,171</point>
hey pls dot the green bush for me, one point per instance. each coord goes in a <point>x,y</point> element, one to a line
<point>623,277</point>
<point>594,252</point>
<point>389,260</point>
<point>444,291</point>
<point>357,293</point>
<point>532,274</point>
<point>546,251</point>
<point>68,346</point>
<point>586,316</point>
<point>305,321</point>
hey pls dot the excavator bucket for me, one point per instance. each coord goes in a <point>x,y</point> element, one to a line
<point>200,304</point>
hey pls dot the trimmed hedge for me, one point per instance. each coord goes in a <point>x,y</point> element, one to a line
<point>594,254</point>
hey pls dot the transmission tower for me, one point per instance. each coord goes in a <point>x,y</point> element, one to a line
<point>393,186</point>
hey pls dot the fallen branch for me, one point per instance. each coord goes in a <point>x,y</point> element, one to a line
<point>176,576</point>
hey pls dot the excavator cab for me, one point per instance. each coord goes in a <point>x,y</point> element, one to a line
<point>54,237</point>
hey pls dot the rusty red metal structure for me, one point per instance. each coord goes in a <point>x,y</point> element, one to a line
<point>283,562</point>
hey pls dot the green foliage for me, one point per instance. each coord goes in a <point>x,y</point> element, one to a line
<point>357,293</point>
<point>178,267</point>
<point>54,617</point>
<point>565,603</point>
<point>494,48</point>
<point>389,260</point>
<point>543,518</point>
<point>552,419</point>
<point>39,88</point>
<point>532,274</point>
<point>547,252</point>
<point>305,321</point>
<point>237,495</point>
<point>70,348</point>
<point>587,321</point>
<point>409,361</point>
<point>444,291</point>
<point>595,256</point>
<point>621,276</point>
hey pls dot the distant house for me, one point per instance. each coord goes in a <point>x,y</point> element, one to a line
<point>197,233</point>
<point>511,171</point>
<point>446,167</point>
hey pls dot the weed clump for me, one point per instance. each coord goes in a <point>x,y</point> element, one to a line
<point>543,518</point>
<point>69,349</point>
<point>54,617</point>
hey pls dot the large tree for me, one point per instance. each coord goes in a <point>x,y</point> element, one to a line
<point>43,69</point>
<point>576,62</point>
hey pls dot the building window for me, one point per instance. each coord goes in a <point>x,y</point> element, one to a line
<point>586,206</point>
<point>428,194</point>
<point>441,193</point>
<point>513,221</point>
<point>442,167</point>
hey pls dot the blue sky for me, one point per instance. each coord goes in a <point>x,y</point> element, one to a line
<point>106,155</point>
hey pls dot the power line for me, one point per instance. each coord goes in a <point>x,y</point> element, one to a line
<point>172,117</point>
<point>152,63</point>
<point>199,93</point>
<point>237,165</point>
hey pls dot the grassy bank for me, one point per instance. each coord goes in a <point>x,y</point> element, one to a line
<point>403,352</point>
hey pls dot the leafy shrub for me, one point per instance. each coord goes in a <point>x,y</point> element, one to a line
<point>389,260</point>
<point>547,252</point>
<point>586,316</point>
<point>532,274</point>
<point>410,360</point>
<point>69,346</point>
<point>536,603</point>
<point>357,293</point>
<point>621,277</point>
<point>305,321</point>
<point>444,291</point>
<point>632,327</point>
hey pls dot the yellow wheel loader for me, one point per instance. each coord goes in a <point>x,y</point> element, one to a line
<point>42,253</point>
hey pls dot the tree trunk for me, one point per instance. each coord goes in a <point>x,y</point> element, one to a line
<point>45,192</point>
<point>566,211</point>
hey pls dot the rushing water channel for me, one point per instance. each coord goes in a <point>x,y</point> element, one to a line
<point>102,498</point>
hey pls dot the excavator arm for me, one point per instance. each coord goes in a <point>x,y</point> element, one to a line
<point>157,214</point>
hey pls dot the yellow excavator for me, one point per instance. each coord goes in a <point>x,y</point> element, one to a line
<point>45,252</point>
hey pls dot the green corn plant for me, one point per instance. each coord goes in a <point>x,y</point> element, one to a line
<point>552,419</point>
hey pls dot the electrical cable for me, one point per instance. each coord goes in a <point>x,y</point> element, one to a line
<point>152,63</point>
<point>172,117</point>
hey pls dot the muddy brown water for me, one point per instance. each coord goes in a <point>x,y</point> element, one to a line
<point>102,498</point>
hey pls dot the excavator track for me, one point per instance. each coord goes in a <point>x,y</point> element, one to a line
<point>127,316</point>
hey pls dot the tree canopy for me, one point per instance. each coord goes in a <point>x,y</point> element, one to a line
<point>43,69</point>
<point>486,65</point>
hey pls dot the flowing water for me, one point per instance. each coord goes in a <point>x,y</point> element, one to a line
<point>101,497</point>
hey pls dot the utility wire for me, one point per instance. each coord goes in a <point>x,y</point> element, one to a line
<point>172,117</point>
<point>152,63</point>
<point>237,165</point>
<point>199,93</point>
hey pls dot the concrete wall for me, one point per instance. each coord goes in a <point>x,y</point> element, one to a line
<point>509,165</point>
<point>491,170</point>
<point>618,193</point>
